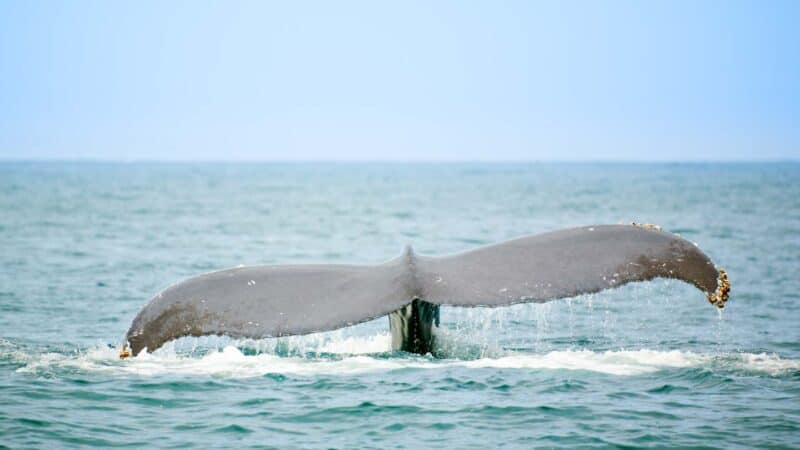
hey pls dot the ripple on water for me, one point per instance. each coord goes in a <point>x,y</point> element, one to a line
<point>647,366</point>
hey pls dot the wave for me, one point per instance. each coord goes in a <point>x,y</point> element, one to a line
<point>355,355</point>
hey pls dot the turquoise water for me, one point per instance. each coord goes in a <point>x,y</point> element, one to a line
<point>85,245</point>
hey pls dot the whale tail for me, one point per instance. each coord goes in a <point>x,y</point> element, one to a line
<point>283,300</point>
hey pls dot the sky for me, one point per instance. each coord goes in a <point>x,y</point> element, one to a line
<point>409,80</point>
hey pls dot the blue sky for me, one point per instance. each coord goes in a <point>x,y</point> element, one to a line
<point>400,81</point>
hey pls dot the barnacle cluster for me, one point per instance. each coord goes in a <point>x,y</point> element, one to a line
<point>720,296</point>
<point>648,226</point>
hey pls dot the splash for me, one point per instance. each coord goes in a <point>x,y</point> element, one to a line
<point>354,356</point>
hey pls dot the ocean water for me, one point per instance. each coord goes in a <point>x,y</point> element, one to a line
<point>83,246</point>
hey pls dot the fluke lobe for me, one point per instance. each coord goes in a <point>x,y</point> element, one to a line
<point>284,300</point>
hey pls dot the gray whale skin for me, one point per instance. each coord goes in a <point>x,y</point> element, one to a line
<point>283,300</point>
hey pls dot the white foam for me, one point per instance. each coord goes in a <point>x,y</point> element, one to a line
<point>610,362</point>
<point>768,363</point>
<point>231,362</point>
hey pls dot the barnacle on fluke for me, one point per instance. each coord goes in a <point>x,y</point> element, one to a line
<point>648,226</point>
<point>720,296</point>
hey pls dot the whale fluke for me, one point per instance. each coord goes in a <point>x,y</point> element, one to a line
<point>283,300</point>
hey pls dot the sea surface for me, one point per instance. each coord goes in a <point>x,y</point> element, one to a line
<point>83,246</point>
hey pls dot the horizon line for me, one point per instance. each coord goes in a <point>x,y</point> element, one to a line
<point>4,160</point>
